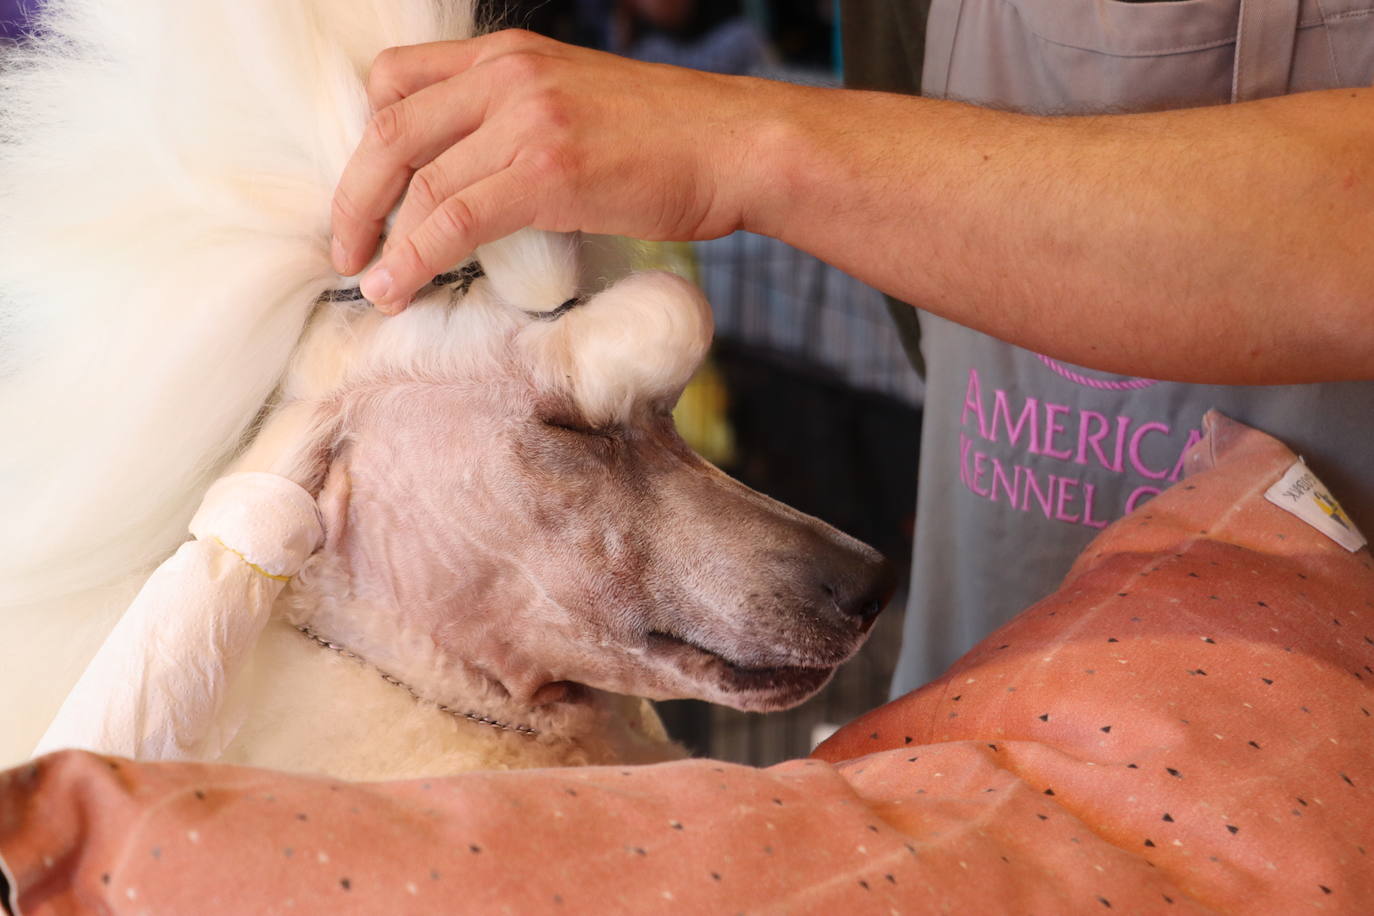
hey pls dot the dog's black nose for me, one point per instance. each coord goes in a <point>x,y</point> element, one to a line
<point>864,594</point>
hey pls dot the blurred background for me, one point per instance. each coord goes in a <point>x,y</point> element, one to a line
<point>808,395</point>
<point>14,16</point>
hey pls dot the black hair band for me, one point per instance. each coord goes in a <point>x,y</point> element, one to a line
<point>464,276</point>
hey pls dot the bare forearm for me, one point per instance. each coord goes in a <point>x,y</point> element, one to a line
<point>1226,244</point>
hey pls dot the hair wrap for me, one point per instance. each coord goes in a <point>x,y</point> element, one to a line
<point>155,688</point>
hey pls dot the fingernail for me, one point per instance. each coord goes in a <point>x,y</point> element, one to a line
<point>394,308</point>
<point>376,286</point>
<point>337,255</point>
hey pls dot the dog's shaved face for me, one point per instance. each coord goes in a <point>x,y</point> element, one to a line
<point>545,547</point>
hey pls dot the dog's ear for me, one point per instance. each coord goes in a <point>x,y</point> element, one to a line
<point>636,342</point>
<point>301,442</point>
<point>333,500</point>
<point>295,441</point>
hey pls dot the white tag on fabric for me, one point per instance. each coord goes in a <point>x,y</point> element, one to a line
<point>1300,492</point>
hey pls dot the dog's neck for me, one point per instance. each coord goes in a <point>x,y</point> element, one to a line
<point>516,727</point>
<point>411,662</point>
<point>305,708</point>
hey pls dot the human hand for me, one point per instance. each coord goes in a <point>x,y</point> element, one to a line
<point>492,134</point>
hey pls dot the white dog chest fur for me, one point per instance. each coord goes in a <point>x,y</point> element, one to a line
<point>303,708</point>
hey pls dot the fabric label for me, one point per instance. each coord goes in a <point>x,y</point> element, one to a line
<point>1300,492</point>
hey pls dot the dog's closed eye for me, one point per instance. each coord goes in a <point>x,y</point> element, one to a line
<point>580,428</point>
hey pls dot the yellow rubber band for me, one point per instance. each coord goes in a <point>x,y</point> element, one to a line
<point>251,565</point>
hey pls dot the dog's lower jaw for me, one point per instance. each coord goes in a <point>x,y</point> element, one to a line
<point>791,688</point>
<point>747,688</point>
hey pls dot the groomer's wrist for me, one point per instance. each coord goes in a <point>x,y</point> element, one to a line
<point>782,160</point>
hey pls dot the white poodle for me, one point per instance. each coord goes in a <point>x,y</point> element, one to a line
<point>501,538</point>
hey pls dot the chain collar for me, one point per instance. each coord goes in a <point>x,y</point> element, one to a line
<point>456,713</point>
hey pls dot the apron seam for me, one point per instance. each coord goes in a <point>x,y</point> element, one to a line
<point>1154,52</point>
<point>1182,49</point>
<point>1347,14</point>
<point>1330,45</point>
<point>1178,49</point>
<point>1266,42</point>
<point>936,70</point>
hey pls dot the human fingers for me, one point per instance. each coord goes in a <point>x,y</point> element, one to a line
<point>482,153</point>
<point>491,209</point>
<point>400,138</point>
<point>402,71</point>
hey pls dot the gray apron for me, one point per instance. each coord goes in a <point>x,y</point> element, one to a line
<point>1025,458</point>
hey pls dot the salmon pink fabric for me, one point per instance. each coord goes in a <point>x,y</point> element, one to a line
<point>1187,726</point>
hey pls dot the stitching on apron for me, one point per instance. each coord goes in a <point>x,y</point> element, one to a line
<point>1178,49</point>
<point>940,86</point>
<point>1162,52</point>
<point>1330,45</point>
<point>1217,43</point>
<point>1183,49</point>
<point>1350,14</point>
<point>954,37</point>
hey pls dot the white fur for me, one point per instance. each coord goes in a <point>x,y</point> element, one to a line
<point>532,270</point>
<point>638,341</point>
<point>165,175</point>
<point>164,201</point>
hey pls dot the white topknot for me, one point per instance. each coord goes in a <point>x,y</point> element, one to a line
<point>637,342</point>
